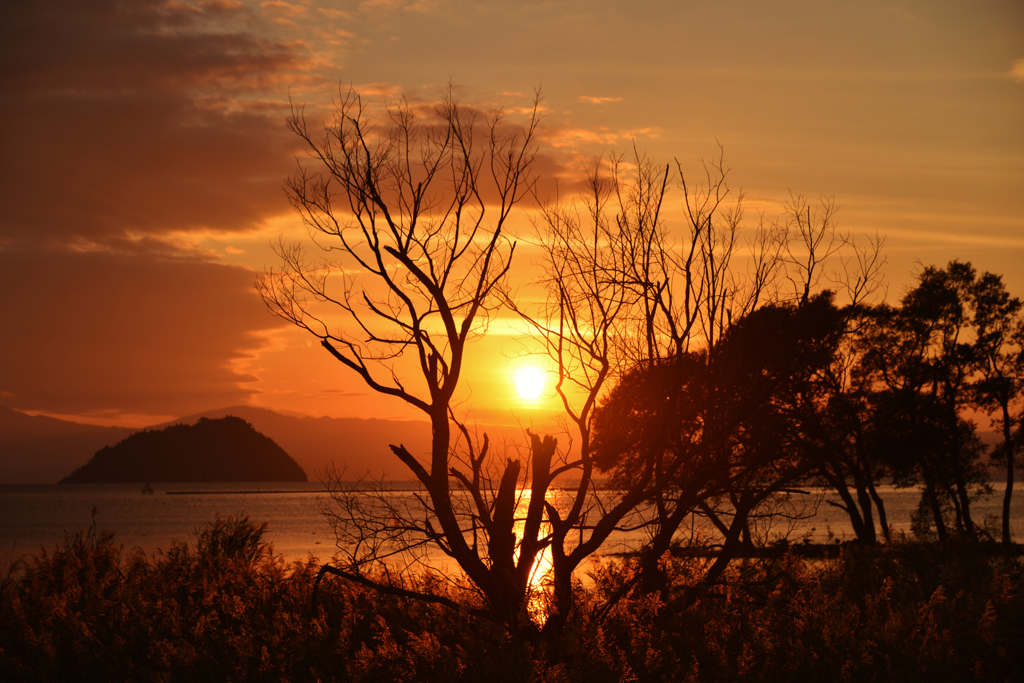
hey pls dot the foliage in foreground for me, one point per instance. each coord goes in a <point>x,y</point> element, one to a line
<point>227,609</point>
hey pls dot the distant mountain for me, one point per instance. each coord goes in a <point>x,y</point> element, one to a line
<point>41,450</point>
<point>225,449</point>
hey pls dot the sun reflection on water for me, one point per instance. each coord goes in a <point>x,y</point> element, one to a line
<point>541,573</point>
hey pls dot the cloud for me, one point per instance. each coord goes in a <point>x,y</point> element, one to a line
<point>422,6</point>
<point>599,100</point>
<point>139,127</point>
<point>113,332</point>
<point>288,8</point>
<point>334,13</point>
<point>1017,71</point>
<point>139,117</point>
<point>381,92</point>
<point>596,137</point>
<point>62,46</point>
<point>119,166</point>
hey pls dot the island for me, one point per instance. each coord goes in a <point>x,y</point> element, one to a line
<point>228,449</point>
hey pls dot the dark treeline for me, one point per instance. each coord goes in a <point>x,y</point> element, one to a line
<point>226,609</point>
<point>918,377</point>
<point>811,393</point>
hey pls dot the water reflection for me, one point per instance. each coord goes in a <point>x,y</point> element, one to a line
<point>36,517</point>
<point>541,574</point>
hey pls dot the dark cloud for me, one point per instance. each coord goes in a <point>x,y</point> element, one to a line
<point>99,167</point>
<point>141,45</point>
<point>124,121</point>
<point>109,331</point>
<point>139,117</point>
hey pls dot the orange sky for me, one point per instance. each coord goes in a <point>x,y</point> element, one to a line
<point>144,153</point>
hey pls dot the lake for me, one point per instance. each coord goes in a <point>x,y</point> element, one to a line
<point>34,517</point>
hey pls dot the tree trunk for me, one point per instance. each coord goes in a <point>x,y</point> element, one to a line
<point>965,507</point>
<point>868,521</point>
<point>838,484</point>
<point>1008,494</point>
<point>653,579</point>
<point>933,502</point>
<point>866,483</point>
<point>880,506</point>
<point>561,596</point>
<point>729,547</point>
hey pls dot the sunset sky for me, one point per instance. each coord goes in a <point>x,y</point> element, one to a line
<point>144,151</point>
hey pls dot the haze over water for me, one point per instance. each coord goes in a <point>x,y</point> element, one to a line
<point>35,517</point>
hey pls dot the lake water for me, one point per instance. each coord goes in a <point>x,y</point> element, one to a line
<point>34,517</point>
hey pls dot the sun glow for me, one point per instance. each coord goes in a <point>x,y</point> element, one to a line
<point>530,383</point>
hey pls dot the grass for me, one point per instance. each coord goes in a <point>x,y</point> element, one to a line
<point>225,608</point>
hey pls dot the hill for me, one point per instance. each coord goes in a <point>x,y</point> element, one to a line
<point>44,450</point>
<point>41,450</point>
<point>221,450</point>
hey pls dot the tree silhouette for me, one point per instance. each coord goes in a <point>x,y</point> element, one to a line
<point>734,426</point>
<point>925,360</point>
<point>999,353</point>
<point>411,206</point>
<point>850,466</point>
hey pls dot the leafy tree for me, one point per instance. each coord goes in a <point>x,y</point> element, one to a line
<point>850,465</point>
<point>925,360</point>
<point>735,425</point>
<point>999,353</point>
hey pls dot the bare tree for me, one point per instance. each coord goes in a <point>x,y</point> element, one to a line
<point>815,251</point>
<point>410,208</point>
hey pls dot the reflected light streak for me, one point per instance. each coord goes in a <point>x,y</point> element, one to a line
<point>543,567</point>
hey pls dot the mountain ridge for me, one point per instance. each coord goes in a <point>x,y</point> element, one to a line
<point>36,449</point>
<point>44,450</point>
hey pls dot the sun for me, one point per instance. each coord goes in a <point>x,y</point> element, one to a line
<point>530,383</point>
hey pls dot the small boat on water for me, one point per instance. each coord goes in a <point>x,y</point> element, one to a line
<point>147,489</point>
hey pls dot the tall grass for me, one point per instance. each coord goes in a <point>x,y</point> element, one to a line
<point>225,608</point>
